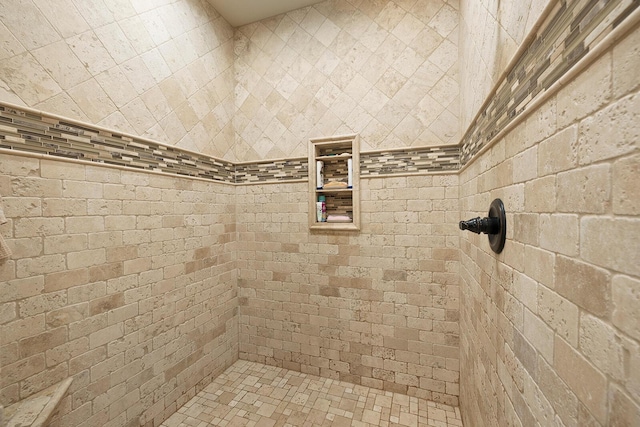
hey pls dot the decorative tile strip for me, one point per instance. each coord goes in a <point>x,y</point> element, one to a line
<point>568,33</point>
<point>430,159</point>
<point>272,171</point>
<point>391,162</point>
<point>26,131</point>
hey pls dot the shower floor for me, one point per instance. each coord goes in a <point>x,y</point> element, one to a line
<point>252,394</point>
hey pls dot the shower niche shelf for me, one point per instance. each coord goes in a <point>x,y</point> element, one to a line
<point>342,202</point>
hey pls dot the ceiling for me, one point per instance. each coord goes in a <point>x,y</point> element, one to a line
<point>241,12</point>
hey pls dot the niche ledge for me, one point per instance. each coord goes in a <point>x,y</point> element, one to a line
<point>38,409</point>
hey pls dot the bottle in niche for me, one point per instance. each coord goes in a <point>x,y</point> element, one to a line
<point>319,175</point>
<point>321,209</point>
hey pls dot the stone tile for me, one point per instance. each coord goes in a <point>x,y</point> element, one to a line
<point>584,284</point>
<point>617,119</point>
<point>607,243</point>
<point>268,394</point>
<point>578,99</point>
<point>625,194</point>
<point>584,190</point>
<point>28,24</point>
<point>625,293</point>
<point>625,65</point>
<point>585,381</point>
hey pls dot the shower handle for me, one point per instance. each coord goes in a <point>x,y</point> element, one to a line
<point>481,225</point>
<point>495,225</point>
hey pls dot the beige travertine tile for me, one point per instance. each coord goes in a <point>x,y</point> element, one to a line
<point>526,228</point>
<point>40,85</point>
<point>625,194</point>
<point>62,64</point>
<point>602,346</point>
<point>137,34</point>
<point>28,24</point>
<point>625,62</point>
<point>624,410</point>
<point>96,13</point>
<point>10,45</point>
<point>613,251</point>
<point>541,193</point>
<point>559,152</point>
<point>386,54</point>
<point>559,394</point>
<point>90,50</point>
<point>115,42</point>
<point>559,233</point>
<point>250,393</point>
<point>617,119</point>
<point>624,292</point>
<point>588,383</point>
<point>101,35</point>
<point>559,313</point>
<point>93,101</point>
<point>586,285</point>
<point>584,190</point>
<point>578,99</point>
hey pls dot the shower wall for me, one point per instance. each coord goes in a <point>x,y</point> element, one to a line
<point>377,307</point>
<point>385,69</point>
<point>550,327</point>
<point>491,31</point>
<point>159,69</point>
<point>123,280</point>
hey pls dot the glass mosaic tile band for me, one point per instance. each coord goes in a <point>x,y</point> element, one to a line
<point>26,131</point>
<point>568,33</point>
<point>429,159</point>
<point>391,162</point>
<point>270,171</point>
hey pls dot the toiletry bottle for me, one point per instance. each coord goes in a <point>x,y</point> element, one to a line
<point>350,173</point>
<point>321,209</point>
<point>319,174</point>
<point>319,205</point>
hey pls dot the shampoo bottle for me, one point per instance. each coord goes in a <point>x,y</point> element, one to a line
<point>321,209</point>
<point>319,174</point>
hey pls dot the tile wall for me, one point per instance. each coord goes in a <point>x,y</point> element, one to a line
<point>491,31</point>
<point>385,69</point>
<point>377,308</point>
<point>567,33</point>
<point>550,327</point>
<point>125,281</point>
<point>29,131</point>
<point>139,271</point>
<point>157,69</point>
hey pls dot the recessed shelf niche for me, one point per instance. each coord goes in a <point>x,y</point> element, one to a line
<point>342,202</point>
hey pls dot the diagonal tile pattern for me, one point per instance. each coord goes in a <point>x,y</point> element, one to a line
<point>252,394</point>
<point>387,70</point>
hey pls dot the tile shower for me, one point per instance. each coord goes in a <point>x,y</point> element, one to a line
<point>144,271</point>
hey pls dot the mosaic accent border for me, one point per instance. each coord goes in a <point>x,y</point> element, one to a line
<point>390,162</point>
<point>26,131</point>
<point>270,171</point>
<point>430,159</point>
<point>34,133</point>
<point>568,33</point>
